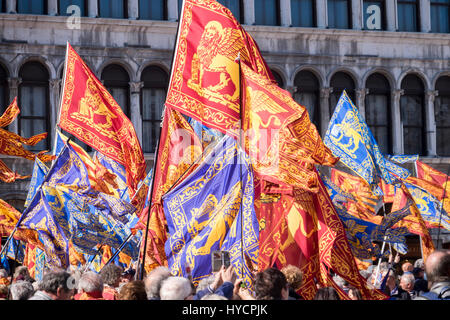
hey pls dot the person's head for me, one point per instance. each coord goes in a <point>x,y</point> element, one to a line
<point>90,282</point>
<point>407,267</point>
<point>205,282</point>
<point>418,273</point>
<point>111,274</point>
<point>271,284</point>
<point>21,290</point>
<point>3,291</point>
<point>133,290</point>
<point>437,266</point>
<point>354,293</point>
<point>3,273</point>
<point>294,276</point>
<point>55,283</point>
<point>391,281</point>
<point>326,293</point>
<point>407,281</point>
<point>22,273</point>
<point>127,275</point>
<point>154,280</point>
<point>419,264</point>
<point>176,288</point>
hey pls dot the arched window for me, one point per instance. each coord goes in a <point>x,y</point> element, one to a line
<point>113,9</point>
<point>307,94</point>
<point>413,115</point>
<point>442,116</point>
<point>34,103</point>
<point>278,78</point>
<point>32,6</point>
<point>408,15</point>
<point>3,90</point>
<point>378,110</point>
<point>235,7</point>
<point>153,95</point>
<point>440,13</point>
<point>267,12</point>
<point>339,14</point>
<point>341,81</point>
<point>153,10</point>
<point>303,13</point>
<point>66,7</point>
<point>117,82</point>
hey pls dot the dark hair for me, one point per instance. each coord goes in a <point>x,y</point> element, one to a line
<point>355,292</point>
<point>54,280</point>
<point>133,290</point>
<point>327,293</point>
<point>269,284</point>
<point>440,270</point>
<point>111,273</point>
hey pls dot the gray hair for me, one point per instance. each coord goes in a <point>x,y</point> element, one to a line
<point>111,274</point>
<point>408,278</point>
<point>154,280</point>
<point>53,280</point>
<point>3,273</point>
<point>91,282</point>
<point>205,282</point>
<point>419,264</point>
<point>22,271</point>
<point>175,288</point>
<point>21,290</point>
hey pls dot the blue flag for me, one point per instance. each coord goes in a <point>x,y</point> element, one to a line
<point>119,170</point>
<point>40,171</point>
<point>429,207</point>
<point>403,158</point>
<point>213,209</point>
<point>349,138</point>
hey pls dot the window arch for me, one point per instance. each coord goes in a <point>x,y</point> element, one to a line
<point>153,10</point>
<point>117,82</point>
<point>339,14</point>
<point>4,93</point>
<point>378,110</point>
<point>32,6</point>
<point>63,5</point>
<point>412,113</point>
<point>341,81</point>
<point>307,94</point>
<point>153,95</point>
<point>113,9</point>
<point>34,102</point>
<point>267,12</point>
<point>278,78</point>
<point>442,116</point>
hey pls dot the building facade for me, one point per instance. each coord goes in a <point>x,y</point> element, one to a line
<point>392,58</point>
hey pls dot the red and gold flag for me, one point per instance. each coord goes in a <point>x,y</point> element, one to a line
<point>205,78</point>
<point>10,114</point>
<point>388,191</point>
<point>279,137</point>
<point>89,112</point>
<point>179,148</point>
<point>414,222</point>
<point>9,216</point>
<point>430,174</point>
<point>7,175</point>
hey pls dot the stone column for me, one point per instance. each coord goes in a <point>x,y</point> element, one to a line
<point>391,15</point>
<point>11,6</point>
<point>52,6</point>
<point>425,16</point>
<point>93,8</point>
<point>13,84</point>
<point>430,122</point>
<point>135,107</point>
<point>357,15</point>
<point>249,12</point>
<point>360,96</point>
<point>285,13</point>
<point>321,9</point>
<point>55,92</point>
<point>324,109</point>
<point>397,126</point>
<point>133,9</point>
<point>172,10</point>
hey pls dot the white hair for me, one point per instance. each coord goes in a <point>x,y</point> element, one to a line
<point>175,288</point>
<point>205,282</point>
<point>408,278</point>
<point>154,280</point>
<point>90,282</point>
<point>21,290</point>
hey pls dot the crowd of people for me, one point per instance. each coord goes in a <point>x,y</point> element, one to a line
<point>399,281</point>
